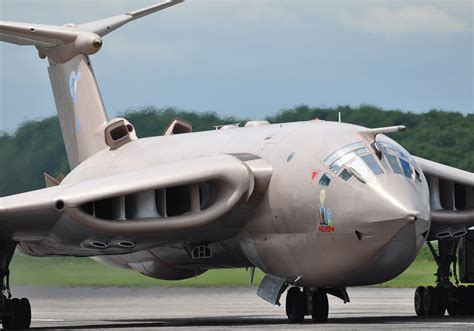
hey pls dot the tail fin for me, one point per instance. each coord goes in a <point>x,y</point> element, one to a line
<point>80,108</point>
<point>78,101</point>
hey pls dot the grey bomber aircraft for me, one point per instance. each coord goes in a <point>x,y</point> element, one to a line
<point>317,206</point>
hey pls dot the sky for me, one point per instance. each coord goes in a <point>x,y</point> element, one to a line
<point>252,58</point>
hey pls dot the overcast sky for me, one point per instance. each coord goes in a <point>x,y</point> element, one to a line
<point>252,58</point>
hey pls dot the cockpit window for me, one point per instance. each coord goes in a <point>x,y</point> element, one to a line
<point>325,180</point>
<point>359,147</point>
<point>356,160</point>
<point>394,163</point>
<point>360,170</point>
<point>345,175</point>
<point>339,163</point>
<point>373,165</point>
<point>407,168</point>
<point>399,160</point>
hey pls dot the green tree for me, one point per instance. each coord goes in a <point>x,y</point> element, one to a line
<point>37,146</point>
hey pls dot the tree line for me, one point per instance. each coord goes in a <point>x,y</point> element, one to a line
<point>37,146</point>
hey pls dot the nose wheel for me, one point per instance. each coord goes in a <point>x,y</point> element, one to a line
<point>300,303</point>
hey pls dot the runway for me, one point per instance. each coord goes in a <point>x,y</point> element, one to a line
<point>217,308</point>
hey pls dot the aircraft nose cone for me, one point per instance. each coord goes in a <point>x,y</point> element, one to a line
<point>401,197</point>
<point>397,201</point>
<point>397,226</point>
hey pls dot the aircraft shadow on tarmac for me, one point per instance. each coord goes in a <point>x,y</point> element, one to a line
<point>250,321</point>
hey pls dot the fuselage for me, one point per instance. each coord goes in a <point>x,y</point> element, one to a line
<point>358,228</point>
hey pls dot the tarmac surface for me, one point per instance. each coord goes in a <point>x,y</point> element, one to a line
<point>217,309</point>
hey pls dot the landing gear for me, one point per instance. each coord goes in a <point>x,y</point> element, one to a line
<point>434,301</point>
<point>19,316</point>
<point>295,305</point>
<point>446,296</point>
<point>419,301</point>
<point>307,302</point>
<point>14,313</point>
<point>320,307</point>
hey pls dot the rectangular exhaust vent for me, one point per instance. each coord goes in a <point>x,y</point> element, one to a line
<point>201,252</point>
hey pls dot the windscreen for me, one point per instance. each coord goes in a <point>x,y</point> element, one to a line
<point>359,161</point>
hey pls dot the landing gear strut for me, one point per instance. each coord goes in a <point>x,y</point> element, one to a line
<point>307,302</point>
<point>446,296</point>
<point>14,313</point>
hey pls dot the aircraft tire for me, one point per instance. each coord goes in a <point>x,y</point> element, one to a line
<point>295,305</point>
<point>320,307</point>
<point>419,301</point>
<point>454,304</point>
<point>469,300</point>
<point>443,300</point>
<point>457,305</point>
<point>20,314</point>
<point>433,302</point>
<point>463,300</point>
<point>25,313</point>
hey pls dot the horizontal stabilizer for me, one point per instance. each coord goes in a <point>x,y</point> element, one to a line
<point>62,43</point>
<point>36,34</point>
<point>107,25</point>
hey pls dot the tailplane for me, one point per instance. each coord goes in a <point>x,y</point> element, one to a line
<point>79,104</point>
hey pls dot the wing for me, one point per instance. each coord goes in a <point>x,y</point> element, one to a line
<point>451,199</point>
<point>191,200</point>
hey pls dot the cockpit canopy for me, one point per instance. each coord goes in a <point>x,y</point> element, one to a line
<point>357,160</point>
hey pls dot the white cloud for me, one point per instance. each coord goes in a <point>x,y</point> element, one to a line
<point>404,20</point>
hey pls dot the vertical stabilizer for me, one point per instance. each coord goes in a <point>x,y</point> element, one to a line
<point>80,108</point>
<point>78,100</point>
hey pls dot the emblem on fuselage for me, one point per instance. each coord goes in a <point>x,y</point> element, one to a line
<point>325,224</point>
<point>73,85</point>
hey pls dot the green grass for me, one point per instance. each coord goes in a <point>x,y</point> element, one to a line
<point>419,273</point>
<point>62,271</point>
<point>66,271</point>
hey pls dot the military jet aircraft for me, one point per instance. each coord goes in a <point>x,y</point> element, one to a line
<point>317,206</point>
